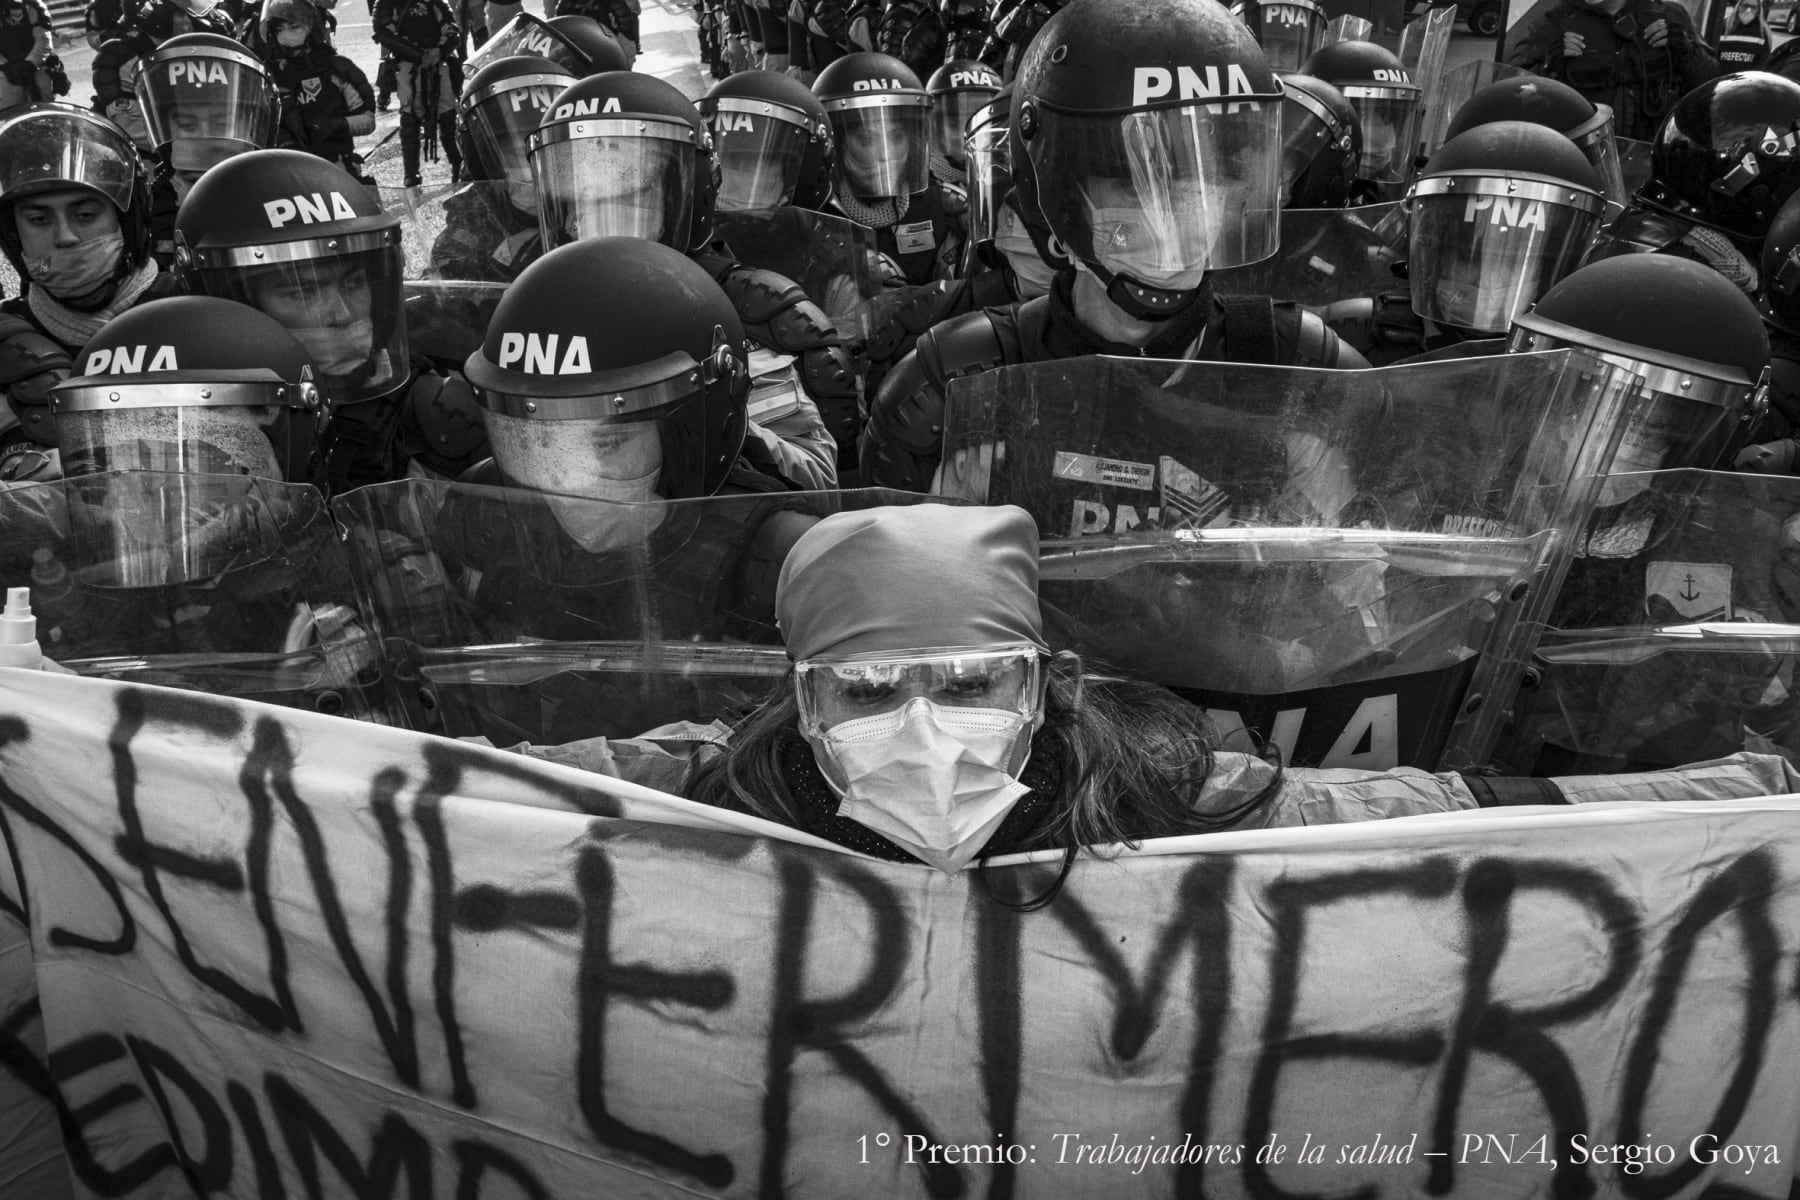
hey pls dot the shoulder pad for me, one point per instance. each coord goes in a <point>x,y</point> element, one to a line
<point>31,363</point>
<point>758,294</point>
<point>1317,346</point>
<point>446,423</point>
<point>916,309</point>
<point>963,346</point>
<point>901,444</point>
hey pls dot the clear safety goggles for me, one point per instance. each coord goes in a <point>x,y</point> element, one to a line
<point>831,691</point>
<point>1164,196</point>
<point>207,95</point>
<point>625,177</point>
<point>761,147</point>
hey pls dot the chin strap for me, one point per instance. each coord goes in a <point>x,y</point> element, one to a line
<point>1140,300</point>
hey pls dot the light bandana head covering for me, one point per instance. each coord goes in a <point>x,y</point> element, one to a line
<point>911,577</point>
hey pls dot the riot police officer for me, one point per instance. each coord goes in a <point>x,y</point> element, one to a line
<point>958,90</point>
<point>491,226</point>
<point>75,225</point>
<point>772,140</point>
<point>626,154</point>
<point>1774,449</point>
<point>1147,140</point>
<point>1500,213</point>
<point>302,240</point>
<point>1386,101</point>
<point>880,119</point>
<point>1723,163</point>
<point>1637,57</point>
<point>204,98</point>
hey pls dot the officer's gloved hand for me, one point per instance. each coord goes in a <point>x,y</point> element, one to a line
<point>1768,458</point>
<point>1656,34</point>
<point>1573,45</point>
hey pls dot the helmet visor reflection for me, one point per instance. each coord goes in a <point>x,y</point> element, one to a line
<point>1483,252</point>
<point>1388,118</point>
<point>615,184</point>
<point>759,160</point>
<point>210,100</point>
<point>501,123</point>
<point>950,114</point>
<point>1167,195</point>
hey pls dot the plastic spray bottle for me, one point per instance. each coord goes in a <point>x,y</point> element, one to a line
<point>18,632</point>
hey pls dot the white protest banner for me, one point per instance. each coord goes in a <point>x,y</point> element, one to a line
<point>278,954</point>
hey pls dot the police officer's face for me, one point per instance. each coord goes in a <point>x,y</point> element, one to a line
<point>58,220</point>
<point>328,306</point>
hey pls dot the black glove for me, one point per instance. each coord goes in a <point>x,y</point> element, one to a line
<point>20,72</point>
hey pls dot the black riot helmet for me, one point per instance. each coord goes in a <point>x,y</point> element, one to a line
<point>1694,339</point>
<point>624,154</point>
<point>571,44</point>
<point>598,48</point>
<point>1728,155</point>
<point>1289,31</point>
<point>612,368</point>
<point>1386,101</point>
<point>1147,136</point>
<point>880,119</point>
<point>772,139</point>
<point>205,97</point>
<point>303,240</point>
<point>1321,144</point>
<point>1501,212</point>
<point>501,107</point>
<point>1545,101</point>
<point>46,148</point>
<point>191,385</point>
<point>958,90</point>
<point>1781,269</point>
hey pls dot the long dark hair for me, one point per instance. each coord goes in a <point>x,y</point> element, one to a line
<point>1129,760</point>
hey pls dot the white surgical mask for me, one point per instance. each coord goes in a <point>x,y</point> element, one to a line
<point>598,528</point>
<point>934,780</point>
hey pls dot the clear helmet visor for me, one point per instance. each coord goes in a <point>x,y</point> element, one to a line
<point>831,693</point>
<point>989,166</point>
<point>1596,140</point>
<point>606,183</point>
<point>1388,118</point>
<point>345,309</point>
<point>883,148</point>
<point>500,126</point>
<point>950,114</point>
<point>587,461</point>
<point>1164,196</point>
<point>216,102</point>
<point>176,440</point>
<point>41,149</point>
<point>1483,252</point>
<point>526,34</point>
<point>1289,33</point>
<point>760,156</point>
<point>1303,136</point>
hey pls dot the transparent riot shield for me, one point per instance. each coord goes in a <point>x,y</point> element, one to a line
<point>1327,255</point>
<point>1675,635</point>
<point>1424,45</point>
<point>526,33</point>
<point>831,258</point>
<point>474,233</point>
<point>1450,90</point>
<point>216,583</point>
<point>1336,562</point>
<point>1347,29</point>
<point>447,319</point>
<point>519,616</point>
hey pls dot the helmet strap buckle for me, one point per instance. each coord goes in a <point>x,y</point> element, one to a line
<point>1140,300</point>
